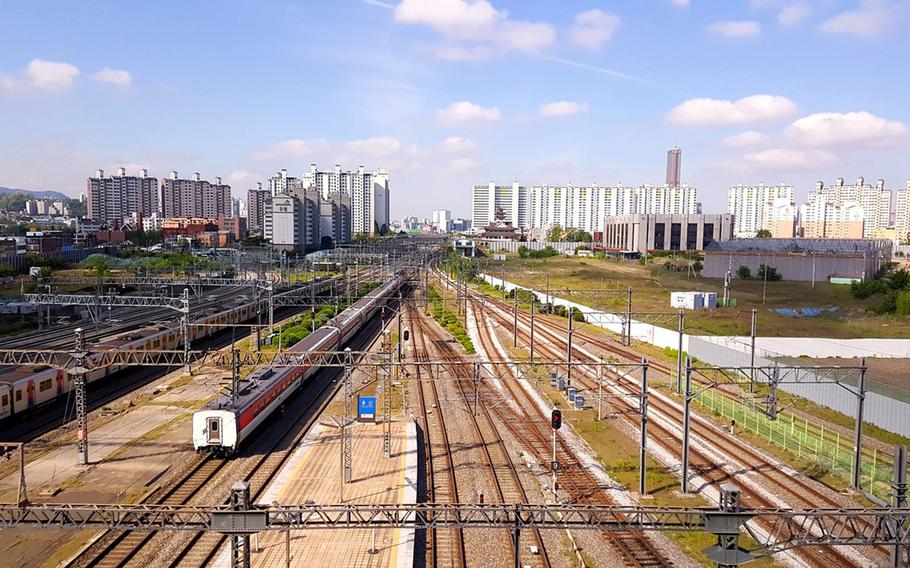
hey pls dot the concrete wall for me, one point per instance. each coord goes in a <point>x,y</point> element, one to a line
<point>796,267</point>
<point>512,246</point>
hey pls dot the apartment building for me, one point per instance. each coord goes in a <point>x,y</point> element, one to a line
<point>820,219</point>
<point>581,207</point>
<point>875,201</point>
<point>753,206</point>
<point>255,203</point>
<point>112,200</point>
<point>902,215</point>
<point>195,197</point>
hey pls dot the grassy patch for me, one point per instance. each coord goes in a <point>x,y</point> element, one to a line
<point>449,320</point>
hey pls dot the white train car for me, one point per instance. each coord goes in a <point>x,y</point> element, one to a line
<point>221,426</point>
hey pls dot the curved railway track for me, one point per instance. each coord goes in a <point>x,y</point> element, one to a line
<point>797,491</point>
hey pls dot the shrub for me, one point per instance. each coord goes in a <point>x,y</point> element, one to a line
<point>866,288</point>
<point>902,304</point>
<point>743,273</point>
<point>578,316</point>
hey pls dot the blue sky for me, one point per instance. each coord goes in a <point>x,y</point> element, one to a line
<point>447,93</point>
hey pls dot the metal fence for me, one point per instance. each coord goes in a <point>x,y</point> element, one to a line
<point>512,246</point>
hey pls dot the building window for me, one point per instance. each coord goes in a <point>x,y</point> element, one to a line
<point>675,234</point>
<point>660,234</point>
<point>708,234</point>
<point>691,236</point>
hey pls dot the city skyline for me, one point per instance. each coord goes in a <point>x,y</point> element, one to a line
<point>462,94</point>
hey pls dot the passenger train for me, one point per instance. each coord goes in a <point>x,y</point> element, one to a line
<point>20,394</point>
<point>221,427</point>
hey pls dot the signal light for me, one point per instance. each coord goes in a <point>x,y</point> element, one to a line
<point>406,334</point>
<point>556,419</point>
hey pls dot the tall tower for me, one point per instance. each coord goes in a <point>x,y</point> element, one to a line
<point>674,163</point>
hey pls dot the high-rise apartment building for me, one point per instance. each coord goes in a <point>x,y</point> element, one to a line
<point>195,198</point>
<point>280,182</point>
<point>820,219</point>
<point>875,201</point>
<point>902,214</point>
<point>579,207</point>
<point>674,166</point>
<point>335,219</point>
<point>368,192</point>
<point>780,219</point>
<point>113,199</point>
<point>751,207</point>
<point>255,204</point>
<point>292,219</point>
<point>442,220</point>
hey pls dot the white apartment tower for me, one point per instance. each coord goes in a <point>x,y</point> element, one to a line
<point>113,199</point>
<point>902,214</point>
<point>752,206</point>
<point>875,200</point>
<point>195,197</point>
<point>255,204</point>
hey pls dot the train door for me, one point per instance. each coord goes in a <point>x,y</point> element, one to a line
<point>214,430</point>
<point>59,382</point>
<point>30,391</point>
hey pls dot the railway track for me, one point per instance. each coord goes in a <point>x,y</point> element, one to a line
<point>797,491</point>
<point>531,427</point>
<point>258,463</point>
<point>500,468</point>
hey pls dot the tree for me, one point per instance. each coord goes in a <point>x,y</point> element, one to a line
<point>98,264</point>
<point>767,273</point>
<point>555,233</point>
<point>763,234</point>
<point>7,270</point>
<point>744,273</point>
<point>899,280</point>
<point>697,266</point>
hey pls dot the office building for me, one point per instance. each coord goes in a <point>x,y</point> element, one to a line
<point>255,203</point>
<point>674,166</point>
<point>113,199</point>
<point>752,205</point>
<point>196,197</point>
<point>581,207</point>
<point>643,233</point>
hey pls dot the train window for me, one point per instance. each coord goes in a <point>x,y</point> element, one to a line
<point>18,395</point>
<point>4,400</point>
<point>44,385</point>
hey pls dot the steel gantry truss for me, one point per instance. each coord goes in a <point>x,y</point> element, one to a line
<point>790,527</point>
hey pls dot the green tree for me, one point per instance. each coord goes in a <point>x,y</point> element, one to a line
<point>697,266</point>
<point>98,264</point>
<point>768,273</point>
<point>743,273</point>
<point>763,234</point>
<point>555,233</point>
<point>899,280</point>
<point>7,270</point>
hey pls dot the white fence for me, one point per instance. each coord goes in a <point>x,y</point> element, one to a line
<point>512,246</point>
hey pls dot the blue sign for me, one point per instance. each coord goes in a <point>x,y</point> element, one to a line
<point>366,406</point>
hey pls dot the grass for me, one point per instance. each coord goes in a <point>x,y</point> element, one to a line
<point>449,320</point>
<point>652,283</point>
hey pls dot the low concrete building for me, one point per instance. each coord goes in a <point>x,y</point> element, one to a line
<point>650,233</point>
<point>807,260</point>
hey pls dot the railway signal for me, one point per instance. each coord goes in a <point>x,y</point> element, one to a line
<point>556,419</point>
<point>406,335</point>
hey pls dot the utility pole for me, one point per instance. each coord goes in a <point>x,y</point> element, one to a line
<point>532,331</point>
<point>600,389</point>
<point>235,375</point>
<point>643,456</point>
<point>515,320</point>
<point>347,443</point>
<point>679,351</point>
<point>899,488</point>
<point>185,328</point>
<point>79,383</point>
<point>629,319</point>
<point>858,440</point>
<point>752,351</point>
<point>686,415</point>
<point>240,543</point>
<point>569,350</point>
<point>385,385</point>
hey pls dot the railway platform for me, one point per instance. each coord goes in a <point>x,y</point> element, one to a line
<point>313,473</point>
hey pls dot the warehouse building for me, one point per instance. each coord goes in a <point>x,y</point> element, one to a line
<point>657,232</point>
<point>807,260</point>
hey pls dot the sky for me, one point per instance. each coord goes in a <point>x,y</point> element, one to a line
<point>446,94</point>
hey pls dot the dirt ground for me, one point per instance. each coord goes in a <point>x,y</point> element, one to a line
<point>891,372</point>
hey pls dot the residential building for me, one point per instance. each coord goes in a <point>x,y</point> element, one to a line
<point>195,197</point>
<point>255,203</point>
<point>645,233</point>
<point>280,182</point>
<point>902,215</point>
<point>807,260</point>
<point>751,206</point>
<point>820,219</point>
<point>779,220</point>
<point>335,220</point>
<point>442,220</point>
<point>369,193</point>
<point>43,241</point>
<point>292,219</point>
<point>112,199</point>
<point>581,207</point>
<point>49,207</point>
<point>153,222</point>
<point>674,166</point>
<point>875,201</point>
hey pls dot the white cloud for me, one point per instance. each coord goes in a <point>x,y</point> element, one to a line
<point>736,29</point>
<point>855,129</point>
<point>681,3</point>
<point>793,14</point>
<point>461,53</point>
<point>115,76</point>
<point>593,28</point>
<point>466,111</point>
<point>457,144</point>
<point>744,139</point>
<point>755,108</point>
<point>242,177</point>
<point>461,166</point>
<point>378,146</point>
<point>562,108</point>
<point>50,75</point>
<point>476,22</point>
<point>872,18</point>
<point>789,160</point>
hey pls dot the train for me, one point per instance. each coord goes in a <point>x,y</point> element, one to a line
<point>35,387</point>
<point>222,425</point>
